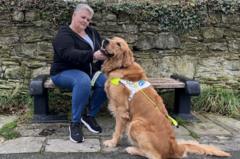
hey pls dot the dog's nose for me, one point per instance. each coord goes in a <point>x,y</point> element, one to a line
<point>105,42</point>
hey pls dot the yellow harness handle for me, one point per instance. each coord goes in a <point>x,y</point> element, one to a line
<point>115,81</point>
<point>174,122</point>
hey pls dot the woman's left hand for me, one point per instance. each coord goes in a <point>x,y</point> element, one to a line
<point>98,55</point>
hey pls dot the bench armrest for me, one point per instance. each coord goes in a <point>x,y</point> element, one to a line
<point>192,87</point>
<point>36,86</point>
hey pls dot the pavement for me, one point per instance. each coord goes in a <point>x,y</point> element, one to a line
<point>50,140</point>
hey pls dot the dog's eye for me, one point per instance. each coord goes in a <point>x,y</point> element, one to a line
<point>119,44</point>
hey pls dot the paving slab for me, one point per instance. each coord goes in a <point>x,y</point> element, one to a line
<point>43,129</point>
<point>181,131</point>
<point>65,145</point>
<point>186,138</point>
<point>92,155</point>
<point>183,134</point>
<point>229,124</point>
<point>205,127</point>
<point>54,130</point>
<point>4,119</point>
<point>22,145</point>
<point>226,143</point>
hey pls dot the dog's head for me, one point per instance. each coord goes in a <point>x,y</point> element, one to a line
<point>118,53</point>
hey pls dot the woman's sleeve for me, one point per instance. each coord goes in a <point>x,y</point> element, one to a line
<point>64,48</point>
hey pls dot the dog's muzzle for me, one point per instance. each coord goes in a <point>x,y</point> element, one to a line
<point>105,42</point>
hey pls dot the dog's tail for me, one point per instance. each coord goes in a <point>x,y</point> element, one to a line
<point>201,149</point>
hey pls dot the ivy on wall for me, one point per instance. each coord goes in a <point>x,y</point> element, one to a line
<point>174,18</point>
<point>224,6</point>
<point>54,11</point>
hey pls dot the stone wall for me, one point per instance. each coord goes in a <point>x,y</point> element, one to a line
<point>209,53</point>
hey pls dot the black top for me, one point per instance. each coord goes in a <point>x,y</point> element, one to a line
<point>71,51</point>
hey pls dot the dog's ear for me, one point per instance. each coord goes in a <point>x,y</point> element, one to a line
<point>127,58</point>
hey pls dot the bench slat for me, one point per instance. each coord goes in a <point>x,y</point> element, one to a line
<point>166,83</point>
<point>156,82</point>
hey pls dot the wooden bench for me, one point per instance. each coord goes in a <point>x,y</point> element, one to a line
<point>184,89</point>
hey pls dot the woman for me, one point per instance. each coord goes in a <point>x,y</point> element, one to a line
<point>77,58</point>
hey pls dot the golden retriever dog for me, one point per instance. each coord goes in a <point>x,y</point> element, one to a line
<point>141,115</point>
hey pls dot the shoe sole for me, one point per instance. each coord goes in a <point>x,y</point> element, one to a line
<point>73,139</point>
<point>88,127</point>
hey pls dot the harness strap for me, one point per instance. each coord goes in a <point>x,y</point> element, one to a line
<point>173,121</point>
<point>95,76</point>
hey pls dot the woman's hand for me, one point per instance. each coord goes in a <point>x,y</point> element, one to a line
<point>99,56</point>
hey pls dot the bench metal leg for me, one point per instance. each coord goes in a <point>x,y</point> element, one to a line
<point>41,103</point>
<point>182,104</point>
<point>41,110</point>
<point>40,95</point>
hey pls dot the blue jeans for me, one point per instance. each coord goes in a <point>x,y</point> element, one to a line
<point>80,84</point>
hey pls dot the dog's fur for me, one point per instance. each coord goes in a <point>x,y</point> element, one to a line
<point>147,127</point>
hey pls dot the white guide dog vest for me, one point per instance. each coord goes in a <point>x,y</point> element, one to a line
<point>134,87</point>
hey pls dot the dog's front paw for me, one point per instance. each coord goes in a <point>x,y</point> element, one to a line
<point>130,150</point>
<point>125,115</point>
<point>110,143</point>
<point>134,151</point>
